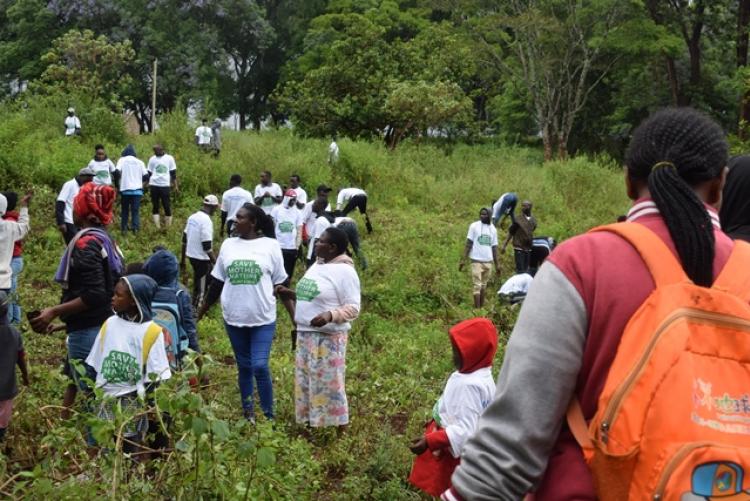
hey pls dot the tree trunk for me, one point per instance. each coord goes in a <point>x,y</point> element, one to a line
<point>743,21</point>
<point>562,147</point>
<point>674,82</point>
<point>547,142</point>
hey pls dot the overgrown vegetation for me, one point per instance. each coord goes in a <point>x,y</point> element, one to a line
<point>398,358</point>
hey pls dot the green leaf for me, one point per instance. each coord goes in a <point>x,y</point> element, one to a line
<point>266,457</point>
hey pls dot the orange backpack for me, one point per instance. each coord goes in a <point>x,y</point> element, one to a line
<point>673,419</point>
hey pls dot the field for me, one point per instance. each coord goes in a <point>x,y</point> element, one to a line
<point>423,198</point>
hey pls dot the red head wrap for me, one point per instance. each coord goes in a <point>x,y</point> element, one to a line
<point>95,200</point>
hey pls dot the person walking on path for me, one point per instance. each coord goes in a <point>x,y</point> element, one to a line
<point>481,249</point>
<point>327,301</point>
<point>72,124</point>
<point>521,231</point>
<point>88,271</point>
<point>16,263</point>
<point>231,201</point>
<point>162,170</point>
<point>267,194</point>
<point>131,174</point>
<point>197,246</point>
<point>735,204</point>
<point>102,166</point>
<point>64,203</point>
<point>571,323</point>
<point>248,269</point>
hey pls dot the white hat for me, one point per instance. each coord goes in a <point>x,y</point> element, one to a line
<point>71,110</point>
<point>210,200</point>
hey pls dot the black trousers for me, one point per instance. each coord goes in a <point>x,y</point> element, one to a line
<point>356,202</point>
<point>523,260</point>
<point>160,195</point>
<point>290,258</point>
<point>201,269</point>
<point>70,232</point>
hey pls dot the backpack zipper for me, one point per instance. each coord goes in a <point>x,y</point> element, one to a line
<point>675,461</point>
<point>615,402</point>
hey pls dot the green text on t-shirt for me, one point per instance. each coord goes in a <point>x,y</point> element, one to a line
<point>484,240</point>
<point>160,169</point>
<point>286,227</point>
<point>307,290</point>
<point>102,175</point>
<point>120,367</point>
<point>244,272</point>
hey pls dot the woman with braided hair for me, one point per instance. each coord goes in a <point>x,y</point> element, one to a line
<point>570,325</point>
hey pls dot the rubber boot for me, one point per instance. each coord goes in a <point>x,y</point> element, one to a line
<point>156,221</point>
<point>167,220</point>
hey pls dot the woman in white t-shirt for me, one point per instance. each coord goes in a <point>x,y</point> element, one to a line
<point>328,299</point>
<point>247,271</point>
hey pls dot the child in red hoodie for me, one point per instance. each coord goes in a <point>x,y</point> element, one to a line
<point>467,393</point>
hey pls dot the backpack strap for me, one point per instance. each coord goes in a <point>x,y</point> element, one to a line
<point>152,334</point>
<point>664,267</point>
<point>579,428</point>
<point>735,277</point>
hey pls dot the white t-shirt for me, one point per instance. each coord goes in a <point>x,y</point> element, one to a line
<point>301,195</point>
<point>249,270</point>
<point>160,167</point>
<point>517,284</point>
<point>233,199</point>
<point>68,192</point>
<point>118,361</point>
<point>465,397</point>
<point>286,221</point>
<point>308,217</point>
<point>71,124</point>
<point>346,194</point>
<point>326,287</point>
<point>198,229</point>
<point>483,238</point>
<point>204,134</point>
<point>132,171</point>
<point>102,171</point>
<point>321,224</point>
<point>267,204</point>
<point>333,152</point>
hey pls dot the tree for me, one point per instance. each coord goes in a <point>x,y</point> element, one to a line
<point>83,63</point>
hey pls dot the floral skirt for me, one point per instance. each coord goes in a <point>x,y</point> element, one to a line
<point>320,367</point>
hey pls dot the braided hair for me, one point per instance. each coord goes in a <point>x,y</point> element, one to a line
<point>263,222</point>
<point>674,150</point>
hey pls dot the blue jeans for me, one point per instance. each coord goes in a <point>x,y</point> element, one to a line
<point>14,309</point>
<point>131,206</point>
<point>79,347</point>
<point>252,349</point>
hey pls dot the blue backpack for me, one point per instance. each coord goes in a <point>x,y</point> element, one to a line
<point>168,316</point>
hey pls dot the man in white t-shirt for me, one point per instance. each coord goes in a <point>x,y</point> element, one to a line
<point>197,245</point>
<point>481,248</point>
<point>162,170</point>
<point>131,174</point>
<point>308,216</point>
<point>353,198</point>
<point>287,220</point>
<point>267,194</point>
<point>72,124</point>
<point>102,166</point>
<point>231,201</point>
<point>203,136</point>
<point>323,220</point>
<point>294,181</point>
<point>64,203</point>
<point>333,152</point>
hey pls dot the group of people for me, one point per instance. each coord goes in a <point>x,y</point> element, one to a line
<point>481,246</point>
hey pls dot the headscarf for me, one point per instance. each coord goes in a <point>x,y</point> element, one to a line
<point>95,200</point>
<point>735,206</point>
<point>476,340</point>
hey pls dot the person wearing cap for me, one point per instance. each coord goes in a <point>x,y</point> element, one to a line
<point>10,231</point>
<point>231,201</point>
<point>163,171</point>
<point>64,203</point>
<point>197,245</point>
<point>267,194</point>
<point>72,124</point>
<point>308,216</point>
<point>287,220</point>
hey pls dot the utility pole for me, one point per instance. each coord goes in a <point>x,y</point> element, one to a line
<point>153,100</point>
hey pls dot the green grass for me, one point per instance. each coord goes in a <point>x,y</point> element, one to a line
<point>399,357</point>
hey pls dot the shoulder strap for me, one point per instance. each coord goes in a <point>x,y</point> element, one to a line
<point>578,427</point>
<point>735,276</point>
<point>102,335</point>
<point>152,334</point>
<point>661,263</point>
